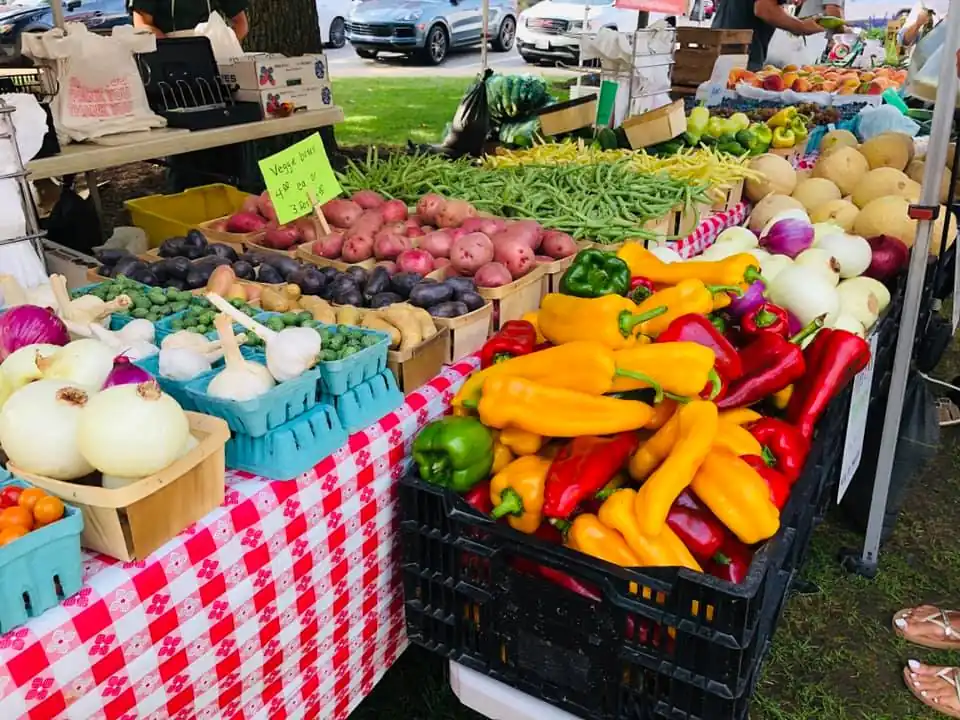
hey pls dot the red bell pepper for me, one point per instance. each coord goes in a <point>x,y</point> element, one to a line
<point>732,563</point>
<point>698,329</point>
<point>478,497</point>
<point>515,337</point>
<point>784,443</point>
<point>765,318</point>
<point>770,363</point>
<point>581,469</point>
<point>834,358</point>
<point>640,289</point>
<point>778,484</point>
<point>700,531</point>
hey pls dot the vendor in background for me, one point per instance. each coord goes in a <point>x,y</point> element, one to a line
<point>818,8</point>
<point>914,29</point>
<point>763,17</point>
<point>163,17</point>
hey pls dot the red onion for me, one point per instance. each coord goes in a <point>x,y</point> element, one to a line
<point>888,257</point>
<point>28,325</point>
<point>740,305</point>
<point>125,372</point>
<point>790,237</point>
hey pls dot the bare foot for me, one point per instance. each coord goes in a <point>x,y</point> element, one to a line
<point>935,686</point>
<point>929,626</point>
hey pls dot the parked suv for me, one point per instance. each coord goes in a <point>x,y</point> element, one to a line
<point>97,15</point>
<point>428,29</point>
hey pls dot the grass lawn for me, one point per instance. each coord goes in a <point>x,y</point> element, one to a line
<point>834,656</point>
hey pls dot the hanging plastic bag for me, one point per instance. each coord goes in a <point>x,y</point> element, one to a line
<point>923,75</point>
<point>221,36</point>
<point>471,123</point>
<point>884,118</point>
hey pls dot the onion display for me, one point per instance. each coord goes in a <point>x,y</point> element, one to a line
<point>125,372</point>
<point>84,362</point>
<point>30,325</point>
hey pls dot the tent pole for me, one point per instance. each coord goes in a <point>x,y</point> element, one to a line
<point>485,9</point>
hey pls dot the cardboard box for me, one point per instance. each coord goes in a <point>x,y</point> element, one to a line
<point>656,126</point>
<point>275,72</point>
<point>301,99</point>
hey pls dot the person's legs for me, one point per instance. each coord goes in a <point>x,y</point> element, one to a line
<point>937,687</point>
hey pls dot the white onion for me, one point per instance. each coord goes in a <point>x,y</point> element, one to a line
<point>132,430</point>
<point>38,429</point>
<point>852,252</point>
<point>739,236</point>
<point>666,254</point>
<point>849,323</point>
<point>806,293</point>
<point>821,261</point>
<point>115,482</point>
<point>20,367</point>
<point>85,362</point>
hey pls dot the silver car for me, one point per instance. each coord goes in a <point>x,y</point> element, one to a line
<point>428,29</point>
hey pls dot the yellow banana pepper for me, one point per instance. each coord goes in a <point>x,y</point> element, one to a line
<point>591,537</point>
<point>734,270</point>
<point>533,317</point>
<point>618,512</point>
<point>697,428</point>
<point>684,298</point>
<point>781,398</point>
<point>681,368</point>
<point>737,495</point>
<point>736,439</point>
<point>517,492</point>
<point>557,412</point>
<point>521,442</point>
<point>649,456</point>
<point>662,412</point>
<point>739,416</point>
<point>611,320</point>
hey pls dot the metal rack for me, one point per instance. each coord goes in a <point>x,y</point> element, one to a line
<point>9,134</point>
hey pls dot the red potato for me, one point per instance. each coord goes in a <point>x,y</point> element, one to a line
<point>328,246</point>
<point>309,228</point>
<point>454,213</point>
<point>387,244</point>
<point>341,212</point>
<point>489,226</point>
<point>441,262</point>
<point>399,228</point>
<point>458,233</point>
<point>282,238</point>
<point>367,199</point>
<point>251,204</point>
<point>418,261</point>
<point>429,206</point>
<point>394,211</point>
<point>415,232</point>
<point>527,231</point>
<point>245,222</point>
<point>558,244</point>
<point>369,223</point>
<point>390,265</point>
<point>415,220</point>
<point>357,248</point>
<point>541,259</point>
<point>491,275</point>
<point>437,243</point>
<point>516,256</point>
<point>470,252</point>
<point>265,206</point>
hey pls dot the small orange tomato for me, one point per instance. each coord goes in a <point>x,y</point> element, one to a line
<point>10,534</point>
<point>16,517</point>
<point>48,510</point>
<point>28,498</point>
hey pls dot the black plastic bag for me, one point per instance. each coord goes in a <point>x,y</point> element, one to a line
<point>74,222</point>
<point>917,444</point>
<point>471,123</point>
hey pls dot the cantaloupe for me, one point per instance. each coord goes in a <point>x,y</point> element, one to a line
<point>839,212</point>
<point>768,207</point>
<point>815,192</point>
<point>889,216</point>
<point>890,149</point>
<point>915,171</point>
<point>838,138</point>
<point>778,177</point>
<point>882,182</point>
<point>844,167</point>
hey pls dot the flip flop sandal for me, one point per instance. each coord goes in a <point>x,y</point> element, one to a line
<point>949,675</point>
<point>948,413</point>
<point>939,618</point>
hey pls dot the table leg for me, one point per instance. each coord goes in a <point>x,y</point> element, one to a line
<point>91,177</point>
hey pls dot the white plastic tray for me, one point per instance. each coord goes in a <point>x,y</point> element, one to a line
<point>497,701</point>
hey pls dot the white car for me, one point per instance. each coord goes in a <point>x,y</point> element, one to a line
<point>333,16</point>
<point>551,30</point>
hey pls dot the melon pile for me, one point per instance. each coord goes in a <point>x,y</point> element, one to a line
<point>864,188</point>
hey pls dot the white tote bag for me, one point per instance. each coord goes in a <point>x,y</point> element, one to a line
<point>221,36</point>
<point>101,92</point>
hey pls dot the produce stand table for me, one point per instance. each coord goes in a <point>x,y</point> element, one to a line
<point>285,602</point>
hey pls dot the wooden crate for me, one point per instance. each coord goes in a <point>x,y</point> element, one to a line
<point>130,523</point>
<point>417,366</point>
<point>552,272</point>
<point>699,48</point>
<point>303,253</point>
<point>511,301</point>
<point>468,332</point>
<point>728,198</point>
<point>237,240</point>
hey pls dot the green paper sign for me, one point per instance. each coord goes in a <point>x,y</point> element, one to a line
<point>298,177</point>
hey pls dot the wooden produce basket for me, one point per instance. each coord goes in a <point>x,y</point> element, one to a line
<point>468,332</point>
<point>511,301</point>
<point>728,198</point>
<point>689,218</point>
<point>304,253</point>
<point>565,117</point>
<point>130,523</point>
<point>698,50</point>
<point>255,245</point>
<point>552,272</point>
<point>237,240</point>
<point>656,126</point>
<point>418,366</point>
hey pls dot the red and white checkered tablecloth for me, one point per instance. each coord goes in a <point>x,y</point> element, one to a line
<point>286,602</point>
<point>707,231</point>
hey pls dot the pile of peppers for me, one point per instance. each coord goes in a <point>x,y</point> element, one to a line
<point>643,416</point>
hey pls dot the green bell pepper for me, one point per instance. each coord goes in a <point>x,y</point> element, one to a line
<point>454,452</point>
<point>697,123</point>
<point>764,135</point>
<point>732,147</point>
<point>752,142</point>
<point>595,273</point>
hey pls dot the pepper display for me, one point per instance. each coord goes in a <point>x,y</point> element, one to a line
<point>582,468</point>
<point>515,338</point>
<point>610,320</point>
<point>696,527</point>
<point>765,318</point>
<point>783,138</point>
<point>696,429</point>
<point>590,536</point>
<point>736,439</point>
<point>454,452</point>
<point>732,562</point>
<point>734,270</point>
<point>784,443</point>
<point>698,329</point>
<point>684,298</point>
<point>681,368</point>
<point>595,273</point>
<point>521,442</point>
<point>778,484</point>
<point>640,289</point>
<point>517,492</point>
<point>836,357</point>
<point>478,497</point>
<point>783,118</point>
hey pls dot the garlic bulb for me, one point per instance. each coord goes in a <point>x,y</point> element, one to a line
<point>181,363</point>
<point>240,379</point>
<point>86,309</point>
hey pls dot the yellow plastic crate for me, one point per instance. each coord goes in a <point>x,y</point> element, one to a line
<point>165,216</point>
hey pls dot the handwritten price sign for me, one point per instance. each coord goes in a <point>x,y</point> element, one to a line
<point>298,177</point>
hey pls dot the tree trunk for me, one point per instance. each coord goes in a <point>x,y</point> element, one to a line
<point>289,27</point>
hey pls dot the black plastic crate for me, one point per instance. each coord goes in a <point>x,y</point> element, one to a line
<point>470,596</point>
